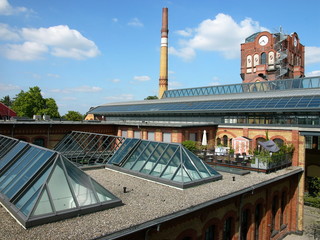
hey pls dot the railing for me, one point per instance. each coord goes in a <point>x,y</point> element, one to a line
<point>249,162</point>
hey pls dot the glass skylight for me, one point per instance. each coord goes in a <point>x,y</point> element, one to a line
<point>168,163</point>
<point>38,185</point>
<point>84,148</point>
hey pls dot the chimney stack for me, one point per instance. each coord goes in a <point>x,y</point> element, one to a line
<point>163,78</point>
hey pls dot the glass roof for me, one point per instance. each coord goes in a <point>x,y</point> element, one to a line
<point>84,148</point>
<point>294,103</point>
<point>287,84</point>
<point>168,163</point>
<point>38,185</point>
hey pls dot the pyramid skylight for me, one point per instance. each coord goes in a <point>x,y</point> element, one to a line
<point>168,163</point>
<point>84,148</point>
<point>38,185</point>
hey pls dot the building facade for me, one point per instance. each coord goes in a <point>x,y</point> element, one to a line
<point>266,57</point>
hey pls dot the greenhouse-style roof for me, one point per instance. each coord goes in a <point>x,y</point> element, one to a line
<point>85,148</point>
<point>38,185</point>
<point>167,163</point>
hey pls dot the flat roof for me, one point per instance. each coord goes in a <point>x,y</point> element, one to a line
<point>146,204</point>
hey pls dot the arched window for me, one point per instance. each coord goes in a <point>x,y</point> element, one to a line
<point>225,140</point>
<point>210,233</point>
<point>39,142</point>
<point>263,58</point>
<point>260,139</point>
<point>218,141</point>
<point>245,224</point>
<point>228,229</point>
<point>257,221</point>
<point>278,141</point>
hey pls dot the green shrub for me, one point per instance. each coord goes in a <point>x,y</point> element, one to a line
<point>190,145</point>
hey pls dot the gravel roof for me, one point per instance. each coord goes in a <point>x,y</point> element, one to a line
<point>145,201</point>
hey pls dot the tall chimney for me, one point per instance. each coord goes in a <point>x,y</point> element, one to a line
<point>163,78</point>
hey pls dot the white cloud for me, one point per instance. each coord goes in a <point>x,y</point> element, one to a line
<point>174,84</point>
<point>8,87</point>
<point>59,41</point>
<point>221,34</point>
<point>53,75</point>
<point>186,53</point>
<point>313,73</point>
<point>142,78</point>
<point>121,97</point>
<point>116,80</point>
<point>88,89</point>
<point>8,34</point>
<point>7,9</point>
<point>24,52</point>
<point>185,33</point>
<point>312,55</point>
<point>115,20</point>
<point>135,22</point>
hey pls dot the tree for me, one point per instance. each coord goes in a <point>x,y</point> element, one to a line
<point>6,100</point>
<point>73,116</point>
<point>27,104</point>
<point>151,97</point>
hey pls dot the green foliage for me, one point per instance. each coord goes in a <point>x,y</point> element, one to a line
<point>312,201</point>
<point>190,145</point>
<point>27,104</point>
<point>151,97</point>
<point>6,100</point>
<point>314,186</point>
<point>73,116</point>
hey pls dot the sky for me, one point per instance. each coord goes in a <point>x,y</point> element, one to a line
<point>85,53</point>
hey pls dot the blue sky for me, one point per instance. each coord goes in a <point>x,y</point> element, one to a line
<point>85,53</point>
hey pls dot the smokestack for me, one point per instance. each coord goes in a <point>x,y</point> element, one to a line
<point>163,78</point>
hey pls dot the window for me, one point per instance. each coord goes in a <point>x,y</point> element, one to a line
<point>193,137</point>
<point>245,224</point>
<point>274,214</point>
<point>166,137</point>
<point>151,136</point>
<point>39,142</point>
<point>225,140</point>
<point>227,229</point>
<point>308,142</point>
<point>124,134</point>
<point>263,58</point>
<point>279,142</point>
<point>137,134</point>
<point>283,207</point>
<point>257,220</point>
<point>218,141</point>
<point>210,233</point>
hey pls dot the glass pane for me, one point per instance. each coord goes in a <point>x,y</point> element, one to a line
<point>81,185</point>
<point>102,193</point>
<point>59,189</point>
<point>10,155</point>
<point>199,165</point>
<point>154,158</point>
<point>26,174</point>
<point>123,151</point>
<point>165,158</point>
<point>33,189</point>
<point>144,156</point>
<point>172,167</point>
<point>15,169</point>
<point>181,176</point>
<point>44,205</point>
<point>28,206</point>
<point>134,156</point>
<point>190,167</point>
